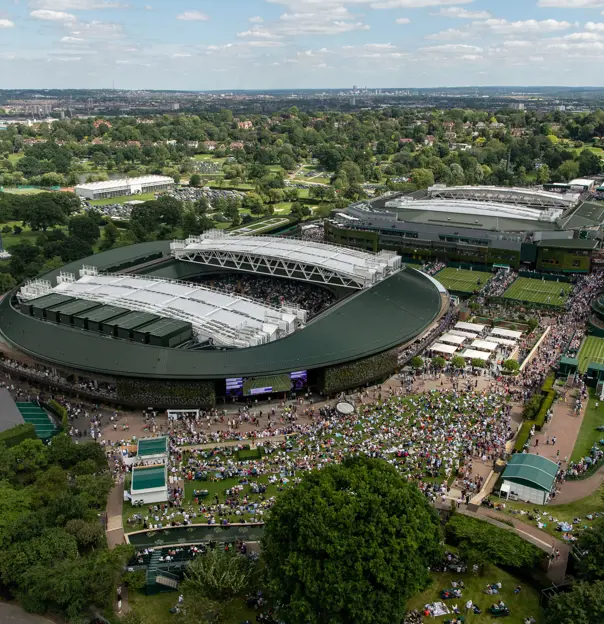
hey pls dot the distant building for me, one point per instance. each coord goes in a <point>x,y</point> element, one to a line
<point>519,106</point>
<point>210,145</point>
<point>102,122</point>
<point>245,125</point>
<point>126,186</point>
<point>404,141</point>
<point>236,145</point>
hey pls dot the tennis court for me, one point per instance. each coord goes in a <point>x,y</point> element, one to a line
<point>592,350</point>
<point>462,280</point>
<point>276,383</point>
<point>32,414</point>
<point>532,290</point>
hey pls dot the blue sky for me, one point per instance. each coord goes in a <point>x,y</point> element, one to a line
<point>268,44</point>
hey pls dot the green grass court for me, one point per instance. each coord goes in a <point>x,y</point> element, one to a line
<point>592,350</point>
<point>588,434</point>
<point>36,416</point>
<point>278,383</point>
<point>538,291</point>
<point>462,280</point>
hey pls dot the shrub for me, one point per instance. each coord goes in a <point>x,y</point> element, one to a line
<point>15,435</point>
<point>511,366</point>
<point>531,407</point>
<point>542,413</point>
<point>523,435</point>
<point>60,412</point>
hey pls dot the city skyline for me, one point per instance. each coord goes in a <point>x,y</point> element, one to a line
<point>273,44</point>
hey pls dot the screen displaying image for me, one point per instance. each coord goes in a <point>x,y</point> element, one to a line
<point>299,380</point>
<point>234,387</point>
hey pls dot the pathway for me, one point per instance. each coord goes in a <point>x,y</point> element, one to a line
<point>115,530</point>
<point>14,614</point>
<point>571,491</point>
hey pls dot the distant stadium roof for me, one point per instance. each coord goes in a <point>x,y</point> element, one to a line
<point>226,319</point>
<point>108,185</point>
<point>289,257</point>
<point>516,196</point>
<point>532,470</point>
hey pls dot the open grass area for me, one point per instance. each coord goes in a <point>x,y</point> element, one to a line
<point>538,291</point>
<point>15,158</point>
<point>588,434</point>
<point>123,199</point>
<point>462,280</point>
<point>261,226</point>
<point>156,609</point>
<point>23,191</point>
<point>551,514</point>
<point>26,235</point>
<point>592,350</point>
<point>521,605</point>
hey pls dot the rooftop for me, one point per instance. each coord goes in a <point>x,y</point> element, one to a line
<point>152,446</point>
<point>124,182</point>
<point>148,478</point>
<point>532,470</point>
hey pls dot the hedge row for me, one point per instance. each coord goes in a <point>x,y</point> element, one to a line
<point>15,435</point>
<point>542,413</point>
<point>535,411</point>
<point>523,435</point>
<point>60,412</point>
<point>166,394</point>
<point>356,374</point>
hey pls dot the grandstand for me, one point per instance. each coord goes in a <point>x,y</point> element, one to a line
<point>304,260</point>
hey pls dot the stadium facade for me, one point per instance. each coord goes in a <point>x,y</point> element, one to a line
<point>125,186</point>
<point>136,320</point>
<point>521,228</point>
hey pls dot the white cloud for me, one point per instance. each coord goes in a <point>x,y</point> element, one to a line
<point>502,26</point>
<point>72,40</point>
<point>264,44</point>
<point>403,20</point>
<point>459,13</point>
<point>453,48</point>
<point>192,16</point>
<point>181,55</point>
<point>414,4</point>
<point>259,33</point>
<point>148,7</point>
<point>448,35</point>
<point>53,16</point>
<point>6,23</point>
<point>379,46</point>
<point>74,5</point>
<point>97,30</point>
<point>594,27</point>
<point>66,59</point>
<point>256,20</point>
<point>571,4</point>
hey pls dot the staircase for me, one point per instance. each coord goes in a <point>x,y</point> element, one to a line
<point>167,579</point>
<point>152,570</point>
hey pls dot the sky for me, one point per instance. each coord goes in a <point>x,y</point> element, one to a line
<point>285,44</point>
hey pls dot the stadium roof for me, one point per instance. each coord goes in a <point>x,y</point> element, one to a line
<point>391,313</point>
<point>227,319</point>
<point>294,258</point>
<point>10,416</point>
<point>107,185</point>
<point>532,470</point>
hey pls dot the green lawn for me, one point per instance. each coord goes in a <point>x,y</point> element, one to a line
<point>521,605</point>
<point>592,350</point>
<point>538,291</point>
<point>23,191</point>
<point>588,435</point>
<point>123,199</point>
<point>561,513</point>
<point>15,158</point>
<point>156,609</point>
<point>26,236</point>
<point>462,280</point>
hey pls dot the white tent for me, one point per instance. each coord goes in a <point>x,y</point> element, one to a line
<point>484,345</point>
<point>471,327</point>
<point>443,348</point>
<point>465,334</point>
<point>501,341</point>
<point>456,340</point>
<point>471,354</point>
<point>506,333</point>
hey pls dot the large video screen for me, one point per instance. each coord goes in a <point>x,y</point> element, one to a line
<point>254,386</point>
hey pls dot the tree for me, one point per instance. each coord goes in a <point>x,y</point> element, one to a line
<point>439,362</point>
<point>42,212</point>
<point>417,362</point>
<point>195,180</point>
<point>511,366</point>
<point>477,363</point>
<point>110,236</point>
<point>458,362</point>
<point>568,170</point>
<point>84,228</point>
<point>422,178</point>
<point>532,406</point>
<point>589,163</point>
<point>591,544</point>
<point>543,174</point>
<point>219,575</point>
<point>350,543</point>
<point>75,248</point>
<point>300,210</point>
<point>7,282</point>
<point>584,604</point>
<point>480,542</point>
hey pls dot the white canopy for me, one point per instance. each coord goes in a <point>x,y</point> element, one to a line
<point>471,354</point>
<point>501,341</point>
<point>471,327</point>
<point>484,345</point>
<point>465,334</point>
<point>443,348</point>
<point>506,333</point>
<point>456,340</point>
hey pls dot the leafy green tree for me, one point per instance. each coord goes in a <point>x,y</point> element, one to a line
<point>195,180</point>
<point>477,363</point>
<point>458,362</point>
<point>439,362</point>
<point>568,170</point>
<point>75,248</point>
<point>7,282</point>
<point>350,543</point>
<point>84,228</point>
<point>417,362</point>
<point>543,174</point>
<point>589,163</point>
<point>511,366</point>
<point>422,178</point>
<point>300,210</point>
<point>220,574</point>
<point>43,212</point>
<point>110,236</point>
<point>480,542</point>
<point>591,543</point>
<point>584,604</point>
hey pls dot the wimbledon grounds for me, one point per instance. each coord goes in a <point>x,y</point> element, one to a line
<point>529,290</point>
<point>592,350</point>
<point>462,280</point>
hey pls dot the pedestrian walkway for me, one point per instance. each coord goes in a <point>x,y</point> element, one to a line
<point>571,491</point>
<point>115,528</point>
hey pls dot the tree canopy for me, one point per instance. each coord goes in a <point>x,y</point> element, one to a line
<point>351,543</point>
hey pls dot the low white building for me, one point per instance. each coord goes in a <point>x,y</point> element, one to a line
<point>149,484</point>
<point>125,186</point>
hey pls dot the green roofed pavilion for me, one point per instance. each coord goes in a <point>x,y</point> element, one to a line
<point>152,447</point>
<point>530,477</point>
<point>149,484</point>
